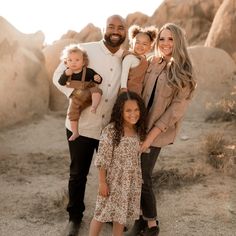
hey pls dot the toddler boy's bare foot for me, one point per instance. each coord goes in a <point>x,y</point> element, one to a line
<point>93,109</point>
<point>74,136</point>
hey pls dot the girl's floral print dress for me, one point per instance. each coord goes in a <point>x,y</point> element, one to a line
<point>123,176</point>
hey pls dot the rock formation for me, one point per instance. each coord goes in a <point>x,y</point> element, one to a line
<point>223,30</point>
<point>27,65</point>
<point>215,73</point>
<point>195,16</point>
<point>24,89</point>
<point>87,34</point>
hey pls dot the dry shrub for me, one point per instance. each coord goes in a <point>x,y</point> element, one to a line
<point>61,199</point>
<point>224,110</point>
<point>172,178</point>
<point>46,208</point>
<point>216,149</point>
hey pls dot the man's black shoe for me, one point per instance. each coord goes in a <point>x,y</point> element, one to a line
<point>72,228</point>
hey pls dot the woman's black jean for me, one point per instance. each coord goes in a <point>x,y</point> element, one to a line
<point>148,199</point>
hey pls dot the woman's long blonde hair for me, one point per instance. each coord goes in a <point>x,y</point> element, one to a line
<point>179,68</point>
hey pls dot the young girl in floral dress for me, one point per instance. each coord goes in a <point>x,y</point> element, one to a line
<point>118,162</point>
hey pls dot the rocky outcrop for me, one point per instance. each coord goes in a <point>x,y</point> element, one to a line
<point>215,73</point>
<point>27,65</point>
<point>30,41</point>
<point>87,34</point>
<point>24,90</point>
<point>137,18</point>
<point>193,15</point>
<point>223,30</point>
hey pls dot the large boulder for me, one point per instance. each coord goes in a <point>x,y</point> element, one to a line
<point>24,90</point>
<point>215,73</point>
<point>30,41</point>
<point>137,18</point>
<point>223,30</point>
<point>193,15</point>
<point>88,34</point>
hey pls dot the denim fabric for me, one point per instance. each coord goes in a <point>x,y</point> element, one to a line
<point>81,153</point>
<point>148,200</point>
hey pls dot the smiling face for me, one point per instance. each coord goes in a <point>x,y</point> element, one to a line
<point>142,44</point>
<point>131,112</point>
<point>166,43</point>
<point>115,32</point>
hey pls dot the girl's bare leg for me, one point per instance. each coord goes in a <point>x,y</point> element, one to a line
<point>95,227</point>
<point>118,229</point>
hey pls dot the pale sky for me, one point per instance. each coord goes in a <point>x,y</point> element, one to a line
<point>56,17</point>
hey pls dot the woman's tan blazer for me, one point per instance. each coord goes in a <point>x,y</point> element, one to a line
<point>168,106</point>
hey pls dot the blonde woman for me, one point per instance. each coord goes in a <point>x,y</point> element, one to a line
<point>168,89</point>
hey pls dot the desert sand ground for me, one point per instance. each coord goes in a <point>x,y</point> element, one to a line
<point>193,197</point>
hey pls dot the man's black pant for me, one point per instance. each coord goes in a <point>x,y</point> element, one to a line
<point>81,154</point>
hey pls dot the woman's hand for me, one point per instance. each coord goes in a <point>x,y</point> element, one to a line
<point>144,146</point>
<point>104,189</point>
<point>155,131</point>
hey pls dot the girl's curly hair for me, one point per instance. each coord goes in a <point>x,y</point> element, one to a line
<point>151,31</point>
<point>117,116</point>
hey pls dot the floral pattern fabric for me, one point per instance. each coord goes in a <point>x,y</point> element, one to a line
<point>123,176</point>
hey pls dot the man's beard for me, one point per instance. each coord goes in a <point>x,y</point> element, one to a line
<point>111,43</point>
